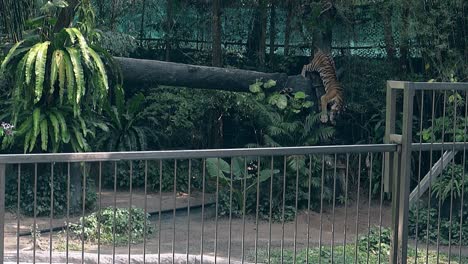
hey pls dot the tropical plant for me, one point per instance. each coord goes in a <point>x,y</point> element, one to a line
<point>59,81</point>
<point>129,129</point>
<point>243,182</point>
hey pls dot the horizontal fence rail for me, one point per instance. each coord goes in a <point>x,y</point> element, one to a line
<point>184,154</point>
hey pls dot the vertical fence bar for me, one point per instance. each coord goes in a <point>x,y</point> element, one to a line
<point>257,208</point>
<point>174,211</point>
<point>442,166</point>
<point>430,177</point>
<point>321,209</point>
<point>296,205</point>
<point>99,212</point>
<point>421,118</point>
<point>244,186</point>
<point>114,212</point>
<point>309,185</point>
<point>203,211</point>
<point>405,172</point>
<point>452,177</point>
<point>216,214</point>
<point>356,256</point>
<point>68,212</point>
<point>345,207</point>
<point>463,181</point>
<point>380,209</point>
<point>271,209</point>
<point>83,214</point>
<point>283,208</point>
<point>18,211</point>
<point>2,210</point>
<point>160,209</point>
<point>333,213</point>
<point>369,207</point>
<point>145,227</point>
<point>130,211</point>
<point>188,207</point>
<point>51,210</point>
<point>34,229</point>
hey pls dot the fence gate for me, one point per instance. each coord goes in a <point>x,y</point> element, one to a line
<point>319,204</point>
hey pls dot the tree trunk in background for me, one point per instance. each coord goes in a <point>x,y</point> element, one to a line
<point>66,15</point>
<point>113,15</point>
<point>404,63</point>
<point>217,60</point>
<point>386,15</point>
<point>287,31</point>
<point>169,27</point>
<point>272,30</point>
<point>253,38</point>
<point>263,30</point>
<point>323,35</point>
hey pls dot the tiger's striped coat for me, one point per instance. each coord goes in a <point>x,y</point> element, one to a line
<point>323,64</point>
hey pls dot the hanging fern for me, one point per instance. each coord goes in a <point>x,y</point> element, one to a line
<point>58,80</point>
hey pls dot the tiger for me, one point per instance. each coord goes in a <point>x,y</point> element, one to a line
<point>323,64</point>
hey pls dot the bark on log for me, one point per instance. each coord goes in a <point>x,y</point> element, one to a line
<point>144,73</point>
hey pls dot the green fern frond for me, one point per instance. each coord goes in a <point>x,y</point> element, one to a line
<point>36,120</point>
<point>100,67</point>
<point>31,57</point>
<point>54,69</point>
<point>19,80</point>
<point>63,126</point>
<point>41,60</point>
<point>83,46</point>
<point>61,75</point>
<point>56,127</point>
<point>9,56</point>
<point>78,70</point>
<point>44,134</point>
<point>70,78</point>
<point>71,35</point>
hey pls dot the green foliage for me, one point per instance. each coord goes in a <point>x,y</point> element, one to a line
<point>452,126</point>
<point>45,68</point>
<point>243,183</point>
<point>377,240</point>
<point>420,218</point>
<point>452,181</point>
<point>128,127</point>
<point>126,225</point>
<point>347,255</point>
<point>43,191</point>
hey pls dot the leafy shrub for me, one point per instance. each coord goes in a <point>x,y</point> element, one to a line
<point>377,241</point>
<point>44,191</point>
<point>126,223</point>
<point>422,219</point>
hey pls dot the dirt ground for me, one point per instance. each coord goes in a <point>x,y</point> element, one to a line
<point>184,233</point>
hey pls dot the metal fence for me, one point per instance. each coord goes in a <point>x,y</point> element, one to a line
<point>320,204</point>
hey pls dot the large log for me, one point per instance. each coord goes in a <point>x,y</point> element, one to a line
<point>139,72</point>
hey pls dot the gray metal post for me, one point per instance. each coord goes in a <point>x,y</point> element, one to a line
<point>392,164</point>
<point>2,210</point>
<point>389,130</point>
<point>405,172</point>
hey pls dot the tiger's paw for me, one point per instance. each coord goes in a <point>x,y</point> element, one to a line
<point>324,118</point>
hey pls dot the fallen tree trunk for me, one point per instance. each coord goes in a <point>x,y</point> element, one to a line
<point>139,72</point>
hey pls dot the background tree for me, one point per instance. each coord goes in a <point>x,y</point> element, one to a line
<point>217,60</point>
